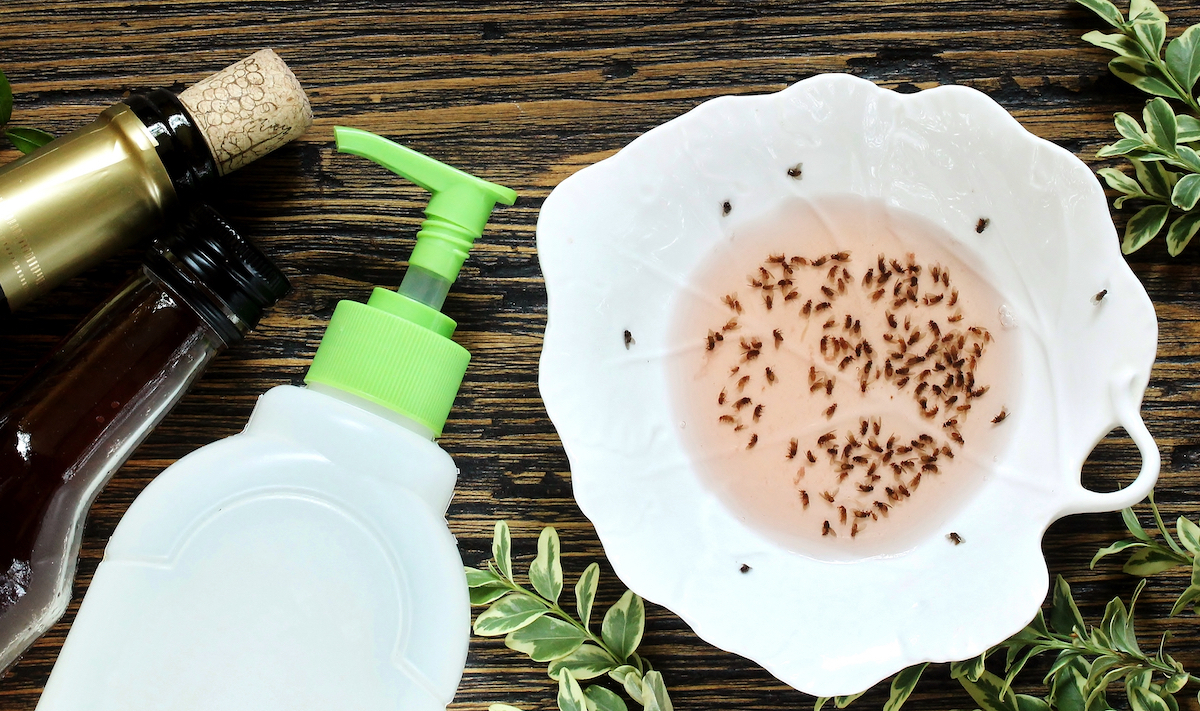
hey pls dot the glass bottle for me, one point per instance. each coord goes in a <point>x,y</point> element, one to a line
<point>72,422</point>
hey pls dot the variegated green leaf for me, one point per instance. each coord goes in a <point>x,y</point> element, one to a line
<point>1096,696</point>
<point>479,578</point>
<point>545,573</point>
<point>485,594</point>
<point>1155,179</point>
<point>971,669</point>
<point>1189,128</point>
<point>1142,74</point>
<point>1148,561</point>
<point>630,679</point>
<point>1188,532</point>
<point>1115,42</point>
<point>1176,683</point>
<point>585,593</point>
<point>570,695</point>
<point>1160,123</point>
<point>986,691</point>
<point>1120,148</point>
<point>1181,232</point>
<point>1114,548</point>
<point>545,639</point>
<point>902,686</point>
<point>502,549</point>
<point>656,690</point>
<point>1120,181</point>
<point>1015,666</point>
<point>625,670</point>
<point>1101,666</point>
<point>1066,657</point>
<point>1186,600</point>
<point>1064,615</point>
<point>1128,126</point>
<point>601,699</point>
<point>1140,679</point>
<point>1105,9</point>
<point>1135,527</point>
<point>1108,11</point>
<point>1143,227</point>
<point>624,624</point>
<point>1145,700</point>
<point>1067,688</point>
<point>1150,31</point>
<point>1183,57</point>
<point>1186,193</point>
<point>1188,158</point>
<point>1145,11</point>
<point>587,662</point>
<point>1152,155</point>
<point>511,612</point>
<point>1118,627</point>
<point>1172,704</point>
<point>1038,624</point>
<point>502,707</point>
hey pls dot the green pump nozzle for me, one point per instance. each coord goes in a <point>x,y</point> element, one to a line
<point>395,350</point>
<point>454,218</point>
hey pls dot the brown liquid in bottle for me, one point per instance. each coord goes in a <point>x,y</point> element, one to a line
<point>843,377</point>
<point>55,419</point>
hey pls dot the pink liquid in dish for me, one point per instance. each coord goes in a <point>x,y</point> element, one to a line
<point>845,379</point>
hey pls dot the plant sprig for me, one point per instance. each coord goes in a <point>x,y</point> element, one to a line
<point>1164,139</point>
<point>25,139</point>
<point>1088,661</point>
<point>533,622</point>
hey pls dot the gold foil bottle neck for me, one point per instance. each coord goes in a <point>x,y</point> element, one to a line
<point>77,201</point>
<point>248,109</point>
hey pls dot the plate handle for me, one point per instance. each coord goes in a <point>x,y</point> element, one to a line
<point>1125,396</point>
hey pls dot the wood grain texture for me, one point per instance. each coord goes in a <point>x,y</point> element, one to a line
<point>526,93</point>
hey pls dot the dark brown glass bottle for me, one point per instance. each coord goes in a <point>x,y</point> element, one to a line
<point>72,422</point>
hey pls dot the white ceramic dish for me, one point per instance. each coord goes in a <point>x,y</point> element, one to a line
<point>618,240</point>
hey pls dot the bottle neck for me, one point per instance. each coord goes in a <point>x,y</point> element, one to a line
<point>218,273</point>
<point>180,144</point>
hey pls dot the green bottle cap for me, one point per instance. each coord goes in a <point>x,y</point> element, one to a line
<point>395,350</point>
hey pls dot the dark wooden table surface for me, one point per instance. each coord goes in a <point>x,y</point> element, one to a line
<point>525,93</point>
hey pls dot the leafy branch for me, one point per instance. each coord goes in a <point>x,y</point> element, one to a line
<point>24,138</point>
<point>1161,141</point>
<point>1088,661</point>
<point>533,622</point>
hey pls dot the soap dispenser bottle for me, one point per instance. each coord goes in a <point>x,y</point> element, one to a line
<point>306,563</point>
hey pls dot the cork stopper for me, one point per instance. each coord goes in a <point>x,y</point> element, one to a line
<point>248,109</point>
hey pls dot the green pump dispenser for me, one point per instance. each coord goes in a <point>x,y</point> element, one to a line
<point>395,350</point>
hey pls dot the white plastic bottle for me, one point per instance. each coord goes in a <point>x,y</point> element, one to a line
<point>305,563</point>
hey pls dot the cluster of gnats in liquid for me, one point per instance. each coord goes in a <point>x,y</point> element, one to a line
<point>922,351</point>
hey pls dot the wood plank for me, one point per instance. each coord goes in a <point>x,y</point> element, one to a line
<point>526,93</point>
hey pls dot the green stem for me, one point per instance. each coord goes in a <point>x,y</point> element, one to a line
<point>1061,643</point>
<point>554,608</point>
